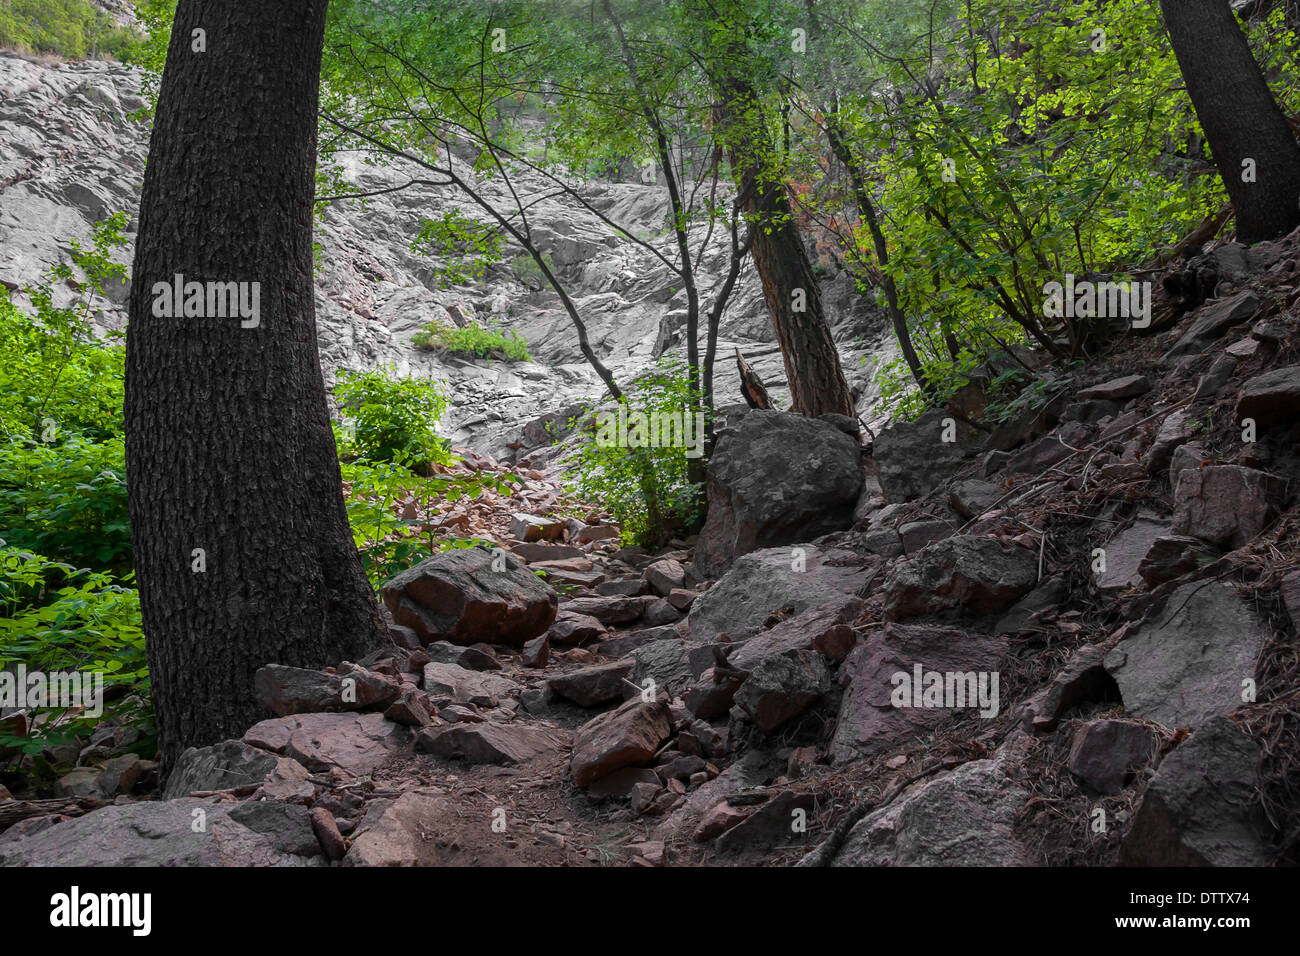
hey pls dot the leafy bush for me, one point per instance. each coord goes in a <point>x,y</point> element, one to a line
<point>59,618</point>
<point>68,500</point>
<point>649,490</point>
<point>73,29</point>
<point>389,418</point>
<point>472,339</point>
<point>378,495</point>
<point>55,377</point>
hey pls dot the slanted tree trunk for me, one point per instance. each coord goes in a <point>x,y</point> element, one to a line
<point>812,363</point>
<point>242,549</point>
<point>1241,119</point>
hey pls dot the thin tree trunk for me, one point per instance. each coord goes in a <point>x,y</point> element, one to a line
<point>1241,119</point>
<point>242,548</point>
<point>867,210</point>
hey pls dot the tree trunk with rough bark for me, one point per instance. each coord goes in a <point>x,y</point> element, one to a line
<point>243,552</point>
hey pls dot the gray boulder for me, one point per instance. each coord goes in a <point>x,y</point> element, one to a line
<point>776,478</point>
<point>1201,807</point>
<point>1187,662</point>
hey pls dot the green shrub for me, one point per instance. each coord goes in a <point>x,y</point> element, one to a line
<point>54,617</point>
<point>387,541</point>
<point>472,339</point>
<point>67,500</point>
<point>55,376</point>
<point>649,490</point>
<point>389,418</point>
<point>72,29</point>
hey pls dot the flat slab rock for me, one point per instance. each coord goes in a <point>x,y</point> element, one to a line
<point>490,742</point>
<point>231,763</point>
<point>399,832</point>
<point>357,743</point>
<point>162,833</point>
<point>481,688</point>
<point>1186,663</point>
<point>770,580</point>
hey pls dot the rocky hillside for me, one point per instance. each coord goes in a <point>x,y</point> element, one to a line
<point>1071,641</point>
<point>71,153</point>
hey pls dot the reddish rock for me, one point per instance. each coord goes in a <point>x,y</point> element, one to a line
<point>1117,388</point>
<point>823,624</point>
<point>1226,504</point>
<point>610,610</point>
<point>537,652</point>
<point>356,743</point>
<point>718,820</point>
<point>592,686</point>
<point>573,628</point>
<point>462,597</point>
<point>489,742</point>
<point>681,598</point>
<point>663,576</point>
<point>530,528</point>
<point>327,832</point>
<point>287,690</point>
<point>411,709</point>
<point>628,735</point>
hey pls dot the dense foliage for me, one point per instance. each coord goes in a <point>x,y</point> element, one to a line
<point>72,29</point>
<point>648,488</point>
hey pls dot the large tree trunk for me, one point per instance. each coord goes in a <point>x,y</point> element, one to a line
<point>242,550</point>
<point>1241,119</point>
<point>812,363</point>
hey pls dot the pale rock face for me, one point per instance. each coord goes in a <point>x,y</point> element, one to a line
<point>70,154</point>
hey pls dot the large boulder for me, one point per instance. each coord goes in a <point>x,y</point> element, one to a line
<point>1188,662</point>
<point>775,579</point>
<point>1201,807</point>
<point>915,458</point>
<point>966,572</point>
<point>776,478</point>
<point>470,595</point>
